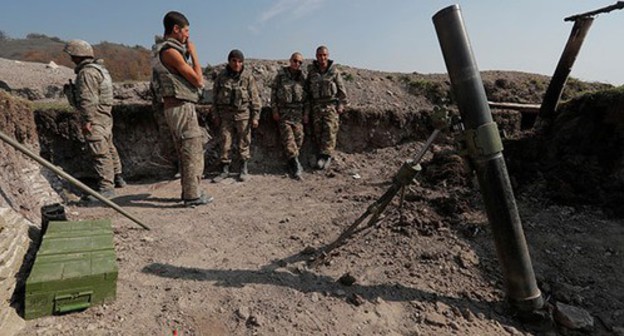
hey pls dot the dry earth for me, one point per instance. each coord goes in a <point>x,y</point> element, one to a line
<point>235,267</point>
<point>240,266</point>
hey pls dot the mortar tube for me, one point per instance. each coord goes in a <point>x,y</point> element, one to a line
<point>520,284</point>
<point>69,178</point>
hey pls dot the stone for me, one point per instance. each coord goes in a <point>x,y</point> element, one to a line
<point>435,319</point>
<point>573,317</point>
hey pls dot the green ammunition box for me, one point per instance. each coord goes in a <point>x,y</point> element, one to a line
<point>77,229</point>
<point>61,283</point>
<point>99,241</point>
<point>75,268</point>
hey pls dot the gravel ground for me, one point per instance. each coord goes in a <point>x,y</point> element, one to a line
<point>33,80</point>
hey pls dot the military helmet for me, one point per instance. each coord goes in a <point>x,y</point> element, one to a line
<point>78,48</point>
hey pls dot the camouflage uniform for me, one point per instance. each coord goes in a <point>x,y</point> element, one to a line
<point>93,97</point>
<point>288,98</point>
<point>181,118</point>
<point>237,101</point>
<point>326,91</point>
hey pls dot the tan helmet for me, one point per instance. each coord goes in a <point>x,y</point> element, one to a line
<point>78,48</point>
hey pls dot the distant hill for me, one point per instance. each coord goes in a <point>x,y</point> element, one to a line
<point>125,63</point>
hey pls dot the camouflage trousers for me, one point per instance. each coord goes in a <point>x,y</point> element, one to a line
<point>229,128</point>
<point>291,136</point>
<point>166,152</point>
<point>325,124</point>
<point>187,138</point>
<point>104,155</point>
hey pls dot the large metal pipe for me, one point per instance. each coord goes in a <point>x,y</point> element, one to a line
<point>560,77</point>
<point>485,153</point>
<point>69,178</point>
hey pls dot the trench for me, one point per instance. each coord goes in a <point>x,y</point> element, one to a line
<point>146,151</point>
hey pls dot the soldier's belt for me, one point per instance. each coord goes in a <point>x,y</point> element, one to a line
<point>325,102</point>
<point>291,106</point>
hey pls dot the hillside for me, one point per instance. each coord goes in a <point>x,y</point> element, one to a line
<point>124,63</point>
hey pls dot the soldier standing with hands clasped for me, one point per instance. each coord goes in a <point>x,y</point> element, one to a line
<point>328,99</point>
<point>288,102</point>
<point>92,96</point>
<point>178,80</point>
<point>237,108</point>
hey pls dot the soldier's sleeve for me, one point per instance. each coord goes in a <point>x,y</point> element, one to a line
<point>274,86</point>
<point>342,92</point>
<point>307,109</point>
<point>87,93</point>
<point>216,87</point>
<point>306,98</point>
<point>255,99</point>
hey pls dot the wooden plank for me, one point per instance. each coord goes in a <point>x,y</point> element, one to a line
<point>522,108</point>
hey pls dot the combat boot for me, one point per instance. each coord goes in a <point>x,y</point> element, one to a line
<point>297,168</point>
<point>225,173</point>
<point>90,199</point>
<point>320,162</point>
<point>323,161</point>
<point>201,200</point>
<point>328,160</point>
<point>119,181</point>
<point>244,174</point>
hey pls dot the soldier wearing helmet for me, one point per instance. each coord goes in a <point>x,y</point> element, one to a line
<point>92,96</point>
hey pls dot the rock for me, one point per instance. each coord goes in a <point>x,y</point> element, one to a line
<point>314,297</point>
<point>435,319</point>
<point>52,65</point>
<point>512,330</point>
<point>442,307</point>
<point>254,320</point>
<point>573,317</point>
<point>308,250</point>
<point>243,313</point>
<point>347,279</point>
<point>356,300</point>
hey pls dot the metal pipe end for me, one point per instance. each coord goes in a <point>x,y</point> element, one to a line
<point>445,11</point>
<point>529,304</point>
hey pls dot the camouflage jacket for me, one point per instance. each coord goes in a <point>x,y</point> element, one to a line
<point>93,93</point>
<point>237,92</point>
<point>326,87</point>
<point>288,94</point>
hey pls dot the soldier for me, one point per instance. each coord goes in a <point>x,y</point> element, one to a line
<point>92,96</point>
<point>237,103</point>
<point>328,99</point>
<point>288,99</point>
<point>178,83</point>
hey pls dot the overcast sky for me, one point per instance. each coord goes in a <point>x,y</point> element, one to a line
<point>390,35</point>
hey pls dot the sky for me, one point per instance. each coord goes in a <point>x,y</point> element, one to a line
<point>390,35</point>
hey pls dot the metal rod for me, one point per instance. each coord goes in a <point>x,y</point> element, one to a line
<point>521,288</point>
<point>607,9</point>
<point>69,178</point>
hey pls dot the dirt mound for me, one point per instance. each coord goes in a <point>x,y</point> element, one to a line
<point>581,160</point>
